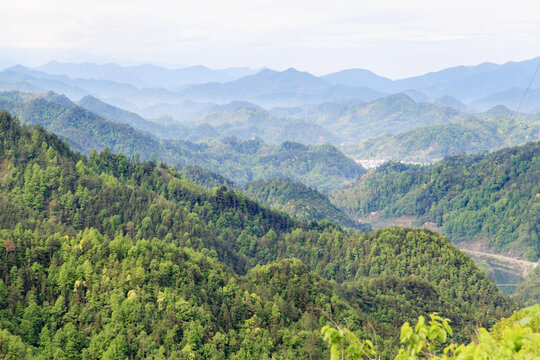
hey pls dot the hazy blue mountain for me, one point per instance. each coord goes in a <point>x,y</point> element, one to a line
<point>249,122</point>
<point>114,113</point>
<point>232,107</point>
<point>275,88</point>
<point>18,86</point>
<point>451,102</point>
<point>511,99</point>
<point>146,75</point>
<point>104,88</point>
<point>359,78</point>
<point>416,95</point>
<point>430,143</point>
<point>466,83</point>
<point>240,119</point>
<point>353,121</point>
<point>17,78</point>
<point>181,111</point>
<point>78,88</point>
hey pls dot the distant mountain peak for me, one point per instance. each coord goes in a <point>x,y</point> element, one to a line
<point>499,110</point>
<point>399,97</point>
<point>17,68</point>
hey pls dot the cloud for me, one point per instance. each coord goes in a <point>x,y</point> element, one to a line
<point>318,36</point>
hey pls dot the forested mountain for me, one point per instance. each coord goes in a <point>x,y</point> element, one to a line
<point>321,166</point>
<point>429,143</point>
<point>204,177</point>
<point>495,197</point>
<point>83,129</point>
<point>248,122</point>
<point>299,200</point>
<point>107,258</point>
<point>352,121</point>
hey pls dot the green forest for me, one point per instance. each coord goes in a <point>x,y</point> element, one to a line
<point>493,196</point>
<point>298,200</point>
<point>321,166</point>
<point>430,143</point>
<point>108,257</point>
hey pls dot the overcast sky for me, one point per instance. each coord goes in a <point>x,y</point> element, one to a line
<point>392,38</point>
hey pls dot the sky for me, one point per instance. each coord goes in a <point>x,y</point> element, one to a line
<point>393,38</point>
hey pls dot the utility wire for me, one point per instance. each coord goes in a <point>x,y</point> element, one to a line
<point>526,92</point>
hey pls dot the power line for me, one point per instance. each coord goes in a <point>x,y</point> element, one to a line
<point>526,91</point>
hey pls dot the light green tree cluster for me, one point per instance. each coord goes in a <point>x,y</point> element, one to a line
<point>517,337</point>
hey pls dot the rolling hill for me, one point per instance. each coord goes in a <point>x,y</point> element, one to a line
<point>431,143</point>
<point>298,200</point>
<point>490,198</point>
<point>106,257</point>
<point>320,166</point>
<point>352,121</point>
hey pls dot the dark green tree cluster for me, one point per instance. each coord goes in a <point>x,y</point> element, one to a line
<point>494,196</point>
<point>299,200</point>
<point>109,257</point>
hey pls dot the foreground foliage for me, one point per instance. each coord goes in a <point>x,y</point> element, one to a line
<point>517,337</point>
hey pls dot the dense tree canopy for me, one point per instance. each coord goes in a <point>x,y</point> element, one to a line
<point>494,196</point>
<point>109,257</point>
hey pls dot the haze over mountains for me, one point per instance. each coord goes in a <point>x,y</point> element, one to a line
<point>483,85</point>
<point>346,108</point>
<point>160,215</point>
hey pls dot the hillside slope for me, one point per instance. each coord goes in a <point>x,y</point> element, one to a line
<point>431,143</point>
<point>297,199</point>
<point>108,258</point>
<point>321,166</point>
<point>494,197</point>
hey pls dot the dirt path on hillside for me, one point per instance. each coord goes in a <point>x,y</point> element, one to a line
<point>522,266</point>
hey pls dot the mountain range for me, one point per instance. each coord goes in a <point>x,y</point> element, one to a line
<point>427,144</point>
<point>466,83</point>
<point>321,166</point>
<point>147,75</point>
<point>139,87</point>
